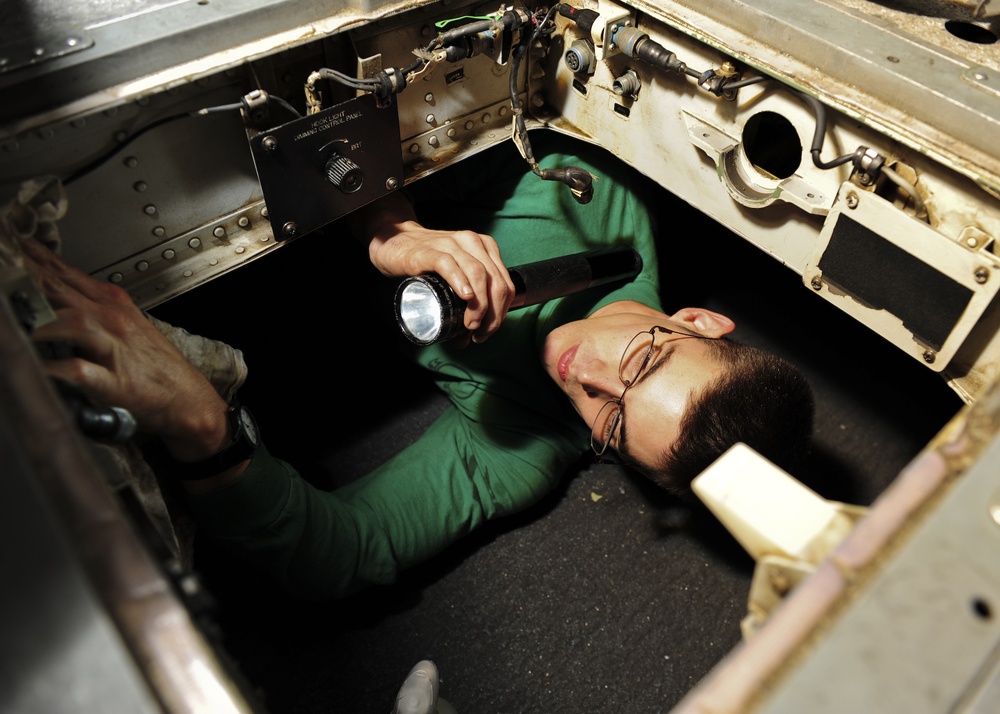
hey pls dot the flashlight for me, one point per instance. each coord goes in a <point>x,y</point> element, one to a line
<point>428,310</point>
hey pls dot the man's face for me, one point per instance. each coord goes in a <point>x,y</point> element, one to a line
<point>583,358</point>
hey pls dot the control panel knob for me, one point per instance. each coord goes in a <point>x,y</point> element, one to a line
<point>344,173</point>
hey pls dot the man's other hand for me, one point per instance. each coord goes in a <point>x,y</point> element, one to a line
<point>117,357</point>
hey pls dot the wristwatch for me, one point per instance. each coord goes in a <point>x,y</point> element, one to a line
<point>245,440</point>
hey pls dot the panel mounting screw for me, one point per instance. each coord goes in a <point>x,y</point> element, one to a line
<point>929,357</point>
<point>852,200</point>
<point>816,283</point>
<point>269,143</point>
<point>290,228</point>
<point>982,275</point>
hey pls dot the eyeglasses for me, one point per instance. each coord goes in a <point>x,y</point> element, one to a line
<point>634,363</point>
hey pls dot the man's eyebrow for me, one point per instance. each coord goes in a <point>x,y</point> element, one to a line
<point>661,361</point>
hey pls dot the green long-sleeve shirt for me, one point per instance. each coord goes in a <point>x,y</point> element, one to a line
<point>510,433</point>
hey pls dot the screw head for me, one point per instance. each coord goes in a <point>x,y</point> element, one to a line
<point>929,357</point>
<point>269,143</point>
<point>816,283</point>
<point>290,228</point>
<point>982,275</point>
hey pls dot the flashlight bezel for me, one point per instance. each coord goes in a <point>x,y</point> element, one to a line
<point>435,302</point>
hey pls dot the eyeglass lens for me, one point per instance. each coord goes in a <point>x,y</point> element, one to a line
<point>634,362</point>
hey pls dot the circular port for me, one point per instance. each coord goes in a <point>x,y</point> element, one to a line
<point>772,145</point>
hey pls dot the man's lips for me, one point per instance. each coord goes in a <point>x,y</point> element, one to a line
<point>565,361</point>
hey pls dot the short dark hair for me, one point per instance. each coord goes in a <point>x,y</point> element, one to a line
<point>761,400</point>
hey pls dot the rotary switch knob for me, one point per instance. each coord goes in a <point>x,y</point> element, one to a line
<point>344,173</point>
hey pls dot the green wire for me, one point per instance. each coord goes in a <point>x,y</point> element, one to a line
<point>441,24</point>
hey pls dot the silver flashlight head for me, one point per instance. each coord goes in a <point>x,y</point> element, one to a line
<point>428,310</point>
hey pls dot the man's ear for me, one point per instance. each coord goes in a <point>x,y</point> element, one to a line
<point>705,322</point>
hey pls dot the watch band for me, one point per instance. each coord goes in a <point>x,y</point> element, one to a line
<point>245,440</point>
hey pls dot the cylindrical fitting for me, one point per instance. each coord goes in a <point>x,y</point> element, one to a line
<point>580,57</point>
<point>627,85</point>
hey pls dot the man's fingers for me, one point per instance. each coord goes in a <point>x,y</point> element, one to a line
<point>76,330</point>
<point>58,276</point>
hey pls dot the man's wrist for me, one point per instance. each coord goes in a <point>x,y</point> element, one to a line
<point>204,433</point>
<point>240,444</point>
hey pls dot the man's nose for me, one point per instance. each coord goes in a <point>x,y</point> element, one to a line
<point>602,383</point>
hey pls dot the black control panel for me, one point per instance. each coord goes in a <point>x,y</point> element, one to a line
<point>325,165</point>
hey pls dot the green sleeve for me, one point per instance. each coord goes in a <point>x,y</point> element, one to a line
<point>324,545</point>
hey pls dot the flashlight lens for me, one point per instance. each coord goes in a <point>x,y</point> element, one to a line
<point>420,312</point>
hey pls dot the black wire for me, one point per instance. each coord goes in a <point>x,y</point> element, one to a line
<point>744,82</point>
<point>515,98</point>
<point>286,104</point>
<point>205,111</point>
<point>819,133</point>
<point>364,85</point>
<point>101,160</point>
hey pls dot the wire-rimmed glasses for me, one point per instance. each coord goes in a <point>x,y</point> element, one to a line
<point>635,361</point>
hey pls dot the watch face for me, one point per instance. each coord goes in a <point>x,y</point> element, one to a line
<point>249,427</point>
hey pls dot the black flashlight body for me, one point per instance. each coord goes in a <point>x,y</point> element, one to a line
<point>533,283</point>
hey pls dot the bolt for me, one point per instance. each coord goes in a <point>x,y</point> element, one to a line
<point>139,186</point>
<point>392,183</point>
<point>428,97</point>
<point>195,243</point>
<point>290,228</point>
<point>159,231</point>
<point>169,254</point>
<point>269,143</point>
<point>149,209</point>
<point>263,212</point>
<point>115,277</point>
<point>189,585</point>
<point>852,200</point>
<point>816,283</point>
<point>131,162</point>
<point>218,231</point>
<point>142,265</point>
<point>982,275</point>
<point>243,222</point>
<point>929,357</point>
